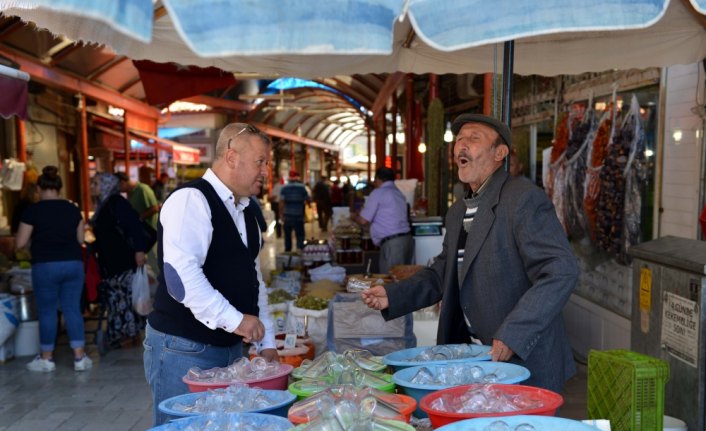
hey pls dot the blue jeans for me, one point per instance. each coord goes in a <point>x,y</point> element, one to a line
<point>168,358</point>
<point>298,226</point>
<point>59,284</point>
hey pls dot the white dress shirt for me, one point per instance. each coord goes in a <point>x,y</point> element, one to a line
<point>187,232</point>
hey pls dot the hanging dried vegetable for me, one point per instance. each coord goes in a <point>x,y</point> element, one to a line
<point>576,155</point>
<point>635,180</point>
<point>621,178</point>
<point>557,179</point>
<point>596,152</point>
<point>561,139</point>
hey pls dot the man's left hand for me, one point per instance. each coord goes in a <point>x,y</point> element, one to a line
<point>500,351</point>
<point>270,355</point>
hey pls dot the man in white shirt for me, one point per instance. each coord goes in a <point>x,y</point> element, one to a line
<point>211,298</point>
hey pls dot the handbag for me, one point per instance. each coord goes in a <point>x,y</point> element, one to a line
<point>149,234</point>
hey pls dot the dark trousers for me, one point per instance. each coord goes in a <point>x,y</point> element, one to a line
<point>298,226</point>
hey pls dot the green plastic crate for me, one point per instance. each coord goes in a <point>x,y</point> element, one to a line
<point>626,388</point>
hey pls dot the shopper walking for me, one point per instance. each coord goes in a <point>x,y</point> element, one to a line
<point>120,248</point>
<point>56,229</point>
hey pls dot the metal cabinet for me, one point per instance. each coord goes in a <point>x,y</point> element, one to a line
<point>669,280</point>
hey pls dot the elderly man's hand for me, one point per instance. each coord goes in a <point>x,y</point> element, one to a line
<point>500,352</point>
<point>375,297</point>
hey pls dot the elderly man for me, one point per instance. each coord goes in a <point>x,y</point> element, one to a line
<point>386,212</point>
<point>505,270</point>
<point>211,297</point>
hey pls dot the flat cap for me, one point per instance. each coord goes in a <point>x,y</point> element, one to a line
<point>496,125</point>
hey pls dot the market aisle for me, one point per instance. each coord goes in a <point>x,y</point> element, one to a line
<point>114,395</point>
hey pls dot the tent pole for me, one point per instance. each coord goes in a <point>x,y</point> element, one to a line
<point>508,65</point>
<point>85,187</point>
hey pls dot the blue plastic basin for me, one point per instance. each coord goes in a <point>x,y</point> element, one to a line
<point>512,374</point>
<point>403,358</point>
<point>280,401</point>
<point>540,423</point>
<point>254,420</point>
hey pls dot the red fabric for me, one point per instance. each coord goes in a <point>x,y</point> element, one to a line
<point>166,82</point>
<point>14,97</point>
<point>93,277</point>
<point>702,221</point>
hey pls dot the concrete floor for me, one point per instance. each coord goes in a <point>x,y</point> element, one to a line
<point>114,395</point>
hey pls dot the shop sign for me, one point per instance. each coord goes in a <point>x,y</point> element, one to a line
<point>184,155</point>
<point>680,327</point>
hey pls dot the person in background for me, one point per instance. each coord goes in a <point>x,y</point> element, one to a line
<point>211,297</point>
<point>274,204</point>
<point>159,187</point>
<point>119,249</point>
<point>28,195</point>
<point>337,194</point>
<point>293,197</point>
<point>322,197</point>
<point>144,201</point>
<point>386,213</point>
<point>516,166</point>
<point>141,197</point>
<point>506,268</point>
<point>55,227</point>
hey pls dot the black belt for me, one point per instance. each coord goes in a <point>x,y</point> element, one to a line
<point>397,235</point>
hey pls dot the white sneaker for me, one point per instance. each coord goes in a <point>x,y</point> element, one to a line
<point>41,365</point>
<point>83,364</point>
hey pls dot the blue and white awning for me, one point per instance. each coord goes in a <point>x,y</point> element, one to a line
<point>329,37</point>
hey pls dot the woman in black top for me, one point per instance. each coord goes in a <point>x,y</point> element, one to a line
<point>55,227</point>
<point>119,250</point>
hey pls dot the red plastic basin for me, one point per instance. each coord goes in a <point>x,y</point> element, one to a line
<point>552,401</point>
<point>277,381</point>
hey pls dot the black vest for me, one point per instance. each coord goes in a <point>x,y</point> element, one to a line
<point>229,267</point>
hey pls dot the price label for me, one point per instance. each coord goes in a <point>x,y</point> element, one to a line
<point>290,340</point>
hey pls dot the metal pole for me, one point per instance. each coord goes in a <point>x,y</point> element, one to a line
<point>508,65</point>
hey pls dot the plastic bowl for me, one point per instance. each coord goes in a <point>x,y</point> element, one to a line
<point>253,420</point>
<point>410,402</point>
<point>385,425</point>
<point>403,358</point>
<point>543,423</point>
<point>279,403</point>
<point>277,381</point>
<point>301,394</point>
<point>513,374</point>
<point>552,401</point>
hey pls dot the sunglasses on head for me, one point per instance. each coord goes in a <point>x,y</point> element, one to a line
<point>250,129</point>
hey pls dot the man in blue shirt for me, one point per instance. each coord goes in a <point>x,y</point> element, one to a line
<point>386,212</point>
<point>292,199</point>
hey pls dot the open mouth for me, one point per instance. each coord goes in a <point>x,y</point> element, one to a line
<point>462,161</point>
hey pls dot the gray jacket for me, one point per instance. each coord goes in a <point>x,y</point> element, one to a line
<point>517,274</point>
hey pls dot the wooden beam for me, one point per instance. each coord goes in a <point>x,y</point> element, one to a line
<point>103,68</point>
<point>65,81</point>
<point>131,83</point>
<point>388,89</point>
<point>15,25</point>
<point>273,131</point>
<point>220,103</point>
<point>53,57</point>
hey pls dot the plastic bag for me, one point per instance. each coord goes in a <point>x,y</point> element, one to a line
<point>141,301</point>
<point>8,316</point>
<point>308,323</point>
